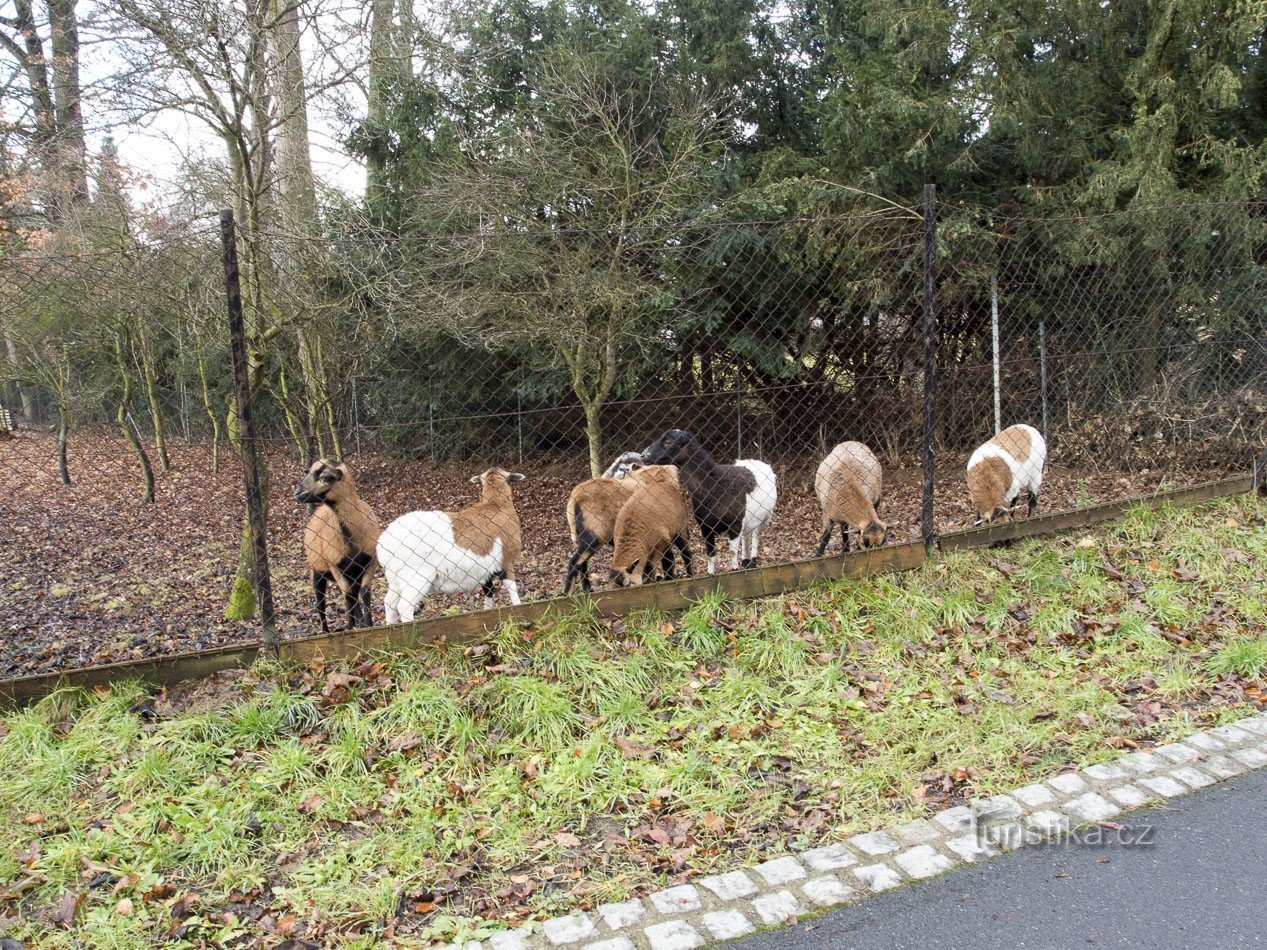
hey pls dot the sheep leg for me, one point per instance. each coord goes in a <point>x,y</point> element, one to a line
<point>512,588</point>
<point>749,544</point>
<point>844,538</point>
<point>680,543</point>
<point>320,581</point>
<point>488,592</point>
<point>407,600</point>
<point>355,594</point>
<point>828,527</point>
<point>1033,503</point>
<point>391,605</point>
<point>710,548</point>
<point>666,564</point>
<point>587,546</point>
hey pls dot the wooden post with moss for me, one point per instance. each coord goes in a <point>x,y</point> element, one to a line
<point>255,516</point>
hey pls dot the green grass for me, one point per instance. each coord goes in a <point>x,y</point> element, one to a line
<point>443,795</point>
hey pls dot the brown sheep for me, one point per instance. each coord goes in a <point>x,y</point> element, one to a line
<point>656,518</point>
<point>848,484</point>
<point>592,509</point>
<point>340,539</point>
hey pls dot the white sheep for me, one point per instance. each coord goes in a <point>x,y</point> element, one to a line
<point>430,552</point>
<point>998,471</point>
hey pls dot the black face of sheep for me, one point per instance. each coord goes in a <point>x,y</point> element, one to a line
<point>320,478</point>
<point>874,535</point>
<point>672,448</point>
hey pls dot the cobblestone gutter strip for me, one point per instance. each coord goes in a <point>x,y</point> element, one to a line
<point>724,906</point>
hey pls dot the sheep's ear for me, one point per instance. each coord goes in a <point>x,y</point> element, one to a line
<point>515,477</point>
<point>338,474</point>
<point>477,479</point>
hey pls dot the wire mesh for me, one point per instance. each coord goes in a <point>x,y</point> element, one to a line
<point>386,373</point>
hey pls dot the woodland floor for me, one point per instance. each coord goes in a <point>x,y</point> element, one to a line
<point>90,576</point>
<point>440,796</point>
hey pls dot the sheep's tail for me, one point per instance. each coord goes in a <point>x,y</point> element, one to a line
<point>576,520</point>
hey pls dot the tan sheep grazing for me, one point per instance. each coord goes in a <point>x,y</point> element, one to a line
<point>340,539</point>
<point>848,484</point>
<point>653,521</point>
<point>592,509</point>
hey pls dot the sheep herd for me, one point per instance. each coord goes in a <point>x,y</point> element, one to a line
<point>642,506</point>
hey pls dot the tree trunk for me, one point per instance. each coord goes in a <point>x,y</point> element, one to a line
<point>24,394</point>
<point>242,597</point>
<point>72,162</point>
<point>594,434</point>
<point>63,436</point>
<point>129,433</point>
<point>35,64</point>
<point>211,414</point>
<point>298,208</point>
<point>388,60</point>
<point>155,405</point>
<point>241,604</point>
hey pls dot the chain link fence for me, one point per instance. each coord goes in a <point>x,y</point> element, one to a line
<point>384,373</point>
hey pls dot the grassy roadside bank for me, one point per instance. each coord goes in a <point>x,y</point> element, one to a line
<point>453,792</point>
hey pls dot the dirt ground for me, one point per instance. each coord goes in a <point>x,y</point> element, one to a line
<point>88,575</point>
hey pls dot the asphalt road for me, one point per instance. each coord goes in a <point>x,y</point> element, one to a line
<point>1202,883</point>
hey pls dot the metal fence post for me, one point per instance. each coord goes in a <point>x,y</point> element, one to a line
<point>994,327</point>
<point>930,364</point>
<point>250,459</point>
<point>356,412</point>
<point>1042,372</point>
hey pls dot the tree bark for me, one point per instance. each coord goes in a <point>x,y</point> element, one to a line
<point>594,435</point>
<point>72,163</point>
<point>388,59</point>
<point>63,437</point>
<point>152,400</point>
<point>35,65</point>
<point>129,433</point>
<point>298,209</point>
<point>24,394</point>
<point>210,408</point>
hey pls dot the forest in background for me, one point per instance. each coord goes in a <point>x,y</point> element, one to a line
<point>606,217</point>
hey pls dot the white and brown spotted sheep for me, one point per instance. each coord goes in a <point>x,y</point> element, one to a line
<point>448,552</point>
<point>998,471</point>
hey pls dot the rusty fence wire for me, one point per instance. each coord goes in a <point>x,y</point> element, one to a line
<point>742,391</point>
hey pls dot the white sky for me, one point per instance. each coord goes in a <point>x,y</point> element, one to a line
<point>159,151</point>
<point>157,148</point>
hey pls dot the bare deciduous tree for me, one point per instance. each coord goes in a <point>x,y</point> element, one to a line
<point>564,219</point>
